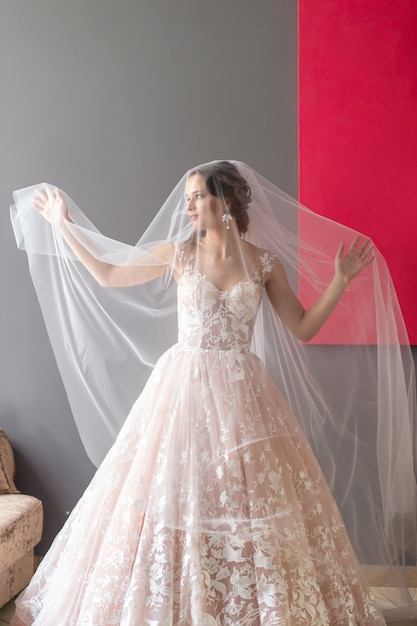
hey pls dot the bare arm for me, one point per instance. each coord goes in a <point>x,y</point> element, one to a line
<point>47,200</point>
<point>305,323</point>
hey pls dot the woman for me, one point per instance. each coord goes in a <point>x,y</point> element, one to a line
<point>210,508</point>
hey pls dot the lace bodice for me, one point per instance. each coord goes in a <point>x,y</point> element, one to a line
<point>215,319</point>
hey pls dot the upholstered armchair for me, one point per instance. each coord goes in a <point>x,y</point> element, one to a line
<point>21,520</point>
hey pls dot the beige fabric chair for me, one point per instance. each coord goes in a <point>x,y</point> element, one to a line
<point>21,521</point>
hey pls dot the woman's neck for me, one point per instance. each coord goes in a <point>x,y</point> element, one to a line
<point>222,242</point>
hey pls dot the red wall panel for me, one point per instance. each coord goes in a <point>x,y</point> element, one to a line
<point>358,128</point>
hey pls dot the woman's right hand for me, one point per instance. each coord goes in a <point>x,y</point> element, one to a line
<point>50,203</point>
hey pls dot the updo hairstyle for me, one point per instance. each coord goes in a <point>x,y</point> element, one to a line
<point>223,180</point>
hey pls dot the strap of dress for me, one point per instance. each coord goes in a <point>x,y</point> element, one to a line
<point>268,262</point>
<point>184,256</point>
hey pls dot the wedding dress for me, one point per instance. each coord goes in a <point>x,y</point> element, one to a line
<point>210,509</point>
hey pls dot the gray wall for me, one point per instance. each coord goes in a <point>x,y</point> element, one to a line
<point>113,100</point>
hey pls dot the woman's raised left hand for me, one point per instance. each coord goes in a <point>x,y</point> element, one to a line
<point>356,259</point>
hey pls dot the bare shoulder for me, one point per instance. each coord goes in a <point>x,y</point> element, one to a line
<point>251,252</point>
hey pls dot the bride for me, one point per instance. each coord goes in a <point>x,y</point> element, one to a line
<point>210,508</point>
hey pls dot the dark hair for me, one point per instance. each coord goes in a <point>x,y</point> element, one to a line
<point>223,180</point>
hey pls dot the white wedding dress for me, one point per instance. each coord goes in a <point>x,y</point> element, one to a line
<point>210,508</point>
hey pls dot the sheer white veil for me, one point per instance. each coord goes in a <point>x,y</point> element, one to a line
<point>352,389</point>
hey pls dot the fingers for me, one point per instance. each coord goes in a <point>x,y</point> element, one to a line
<point>39,200</point>
<point>43,200</point>
<point>58,194</point>
<point>362,248</point>
<point>48,194</point>
<point>370,260</point>
<point>361,251</point>
<point>45,194</point>
<point>42,194</point>
<point>340,252</point>
<point>365,250</point>
<point>354,244</point>
<point>358,257</point>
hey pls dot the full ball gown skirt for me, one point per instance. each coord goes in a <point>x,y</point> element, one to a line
<point>210,508</point>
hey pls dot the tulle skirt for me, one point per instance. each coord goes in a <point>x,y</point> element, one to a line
<point>209,510</point>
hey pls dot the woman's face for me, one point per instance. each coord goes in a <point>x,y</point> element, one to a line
<point>205,210</point>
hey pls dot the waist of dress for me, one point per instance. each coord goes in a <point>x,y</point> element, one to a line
<point>233,361</point>
<point>235,349</point>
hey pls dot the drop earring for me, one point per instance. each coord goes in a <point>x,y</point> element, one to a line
<point>226,217</point>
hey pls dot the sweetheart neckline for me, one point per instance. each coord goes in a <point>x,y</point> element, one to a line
<point>197,273</point>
